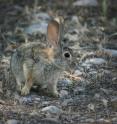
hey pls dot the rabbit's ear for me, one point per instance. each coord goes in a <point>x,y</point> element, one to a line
<point>54,31</point>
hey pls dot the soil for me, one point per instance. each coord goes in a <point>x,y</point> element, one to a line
<point>88,92</point>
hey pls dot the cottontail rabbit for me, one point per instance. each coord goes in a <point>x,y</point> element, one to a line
<point>41,64</point>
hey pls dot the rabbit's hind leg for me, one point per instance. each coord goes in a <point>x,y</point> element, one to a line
<point>52,87</point>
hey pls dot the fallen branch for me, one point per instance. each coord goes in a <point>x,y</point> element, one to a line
<point>71,76</point>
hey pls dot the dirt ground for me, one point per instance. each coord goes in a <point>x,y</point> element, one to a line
<point>88,93</point>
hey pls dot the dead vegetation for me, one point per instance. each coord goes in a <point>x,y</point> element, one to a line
<point>88,93</point>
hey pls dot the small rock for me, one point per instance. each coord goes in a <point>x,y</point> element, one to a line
<point>5,60</point>
<point>93,72</point>
<point>105,102</point>
<point>74,31</point>
<point>78,73</point>
<point>90,120</point>
<point>37,99</point>
<point>85,3</point>
<point>63,93</point>
<point>67,101</point>
<point>114,103</point>
<point>112,52</point>
<point>79,90</point>
<point>87,65</point>
<point>103,121</point>
<point>50,120</point>
<point>42,16</point>
<point>13,121</point>
<point>66,82</point>
<point>75,19</point>
<point>114,119</point>
<point>97,96</point>
<point>106,91</point>
<point>36,28</point>
<point>1,87</point>
<point>25,100</point>
<point>45,103</point>
<point>95,61</point>
<point>34,112</point>
<point>51,109</point>
<point>39,24</point>
<point>71,37</point>
<point>91,107</point>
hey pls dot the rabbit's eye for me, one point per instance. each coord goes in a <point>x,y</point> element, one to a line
<point>67,54</point>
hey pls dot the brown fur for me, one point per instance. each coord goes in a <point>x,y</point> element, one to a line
<point>53,31</point>
<point>46,70</point>
<point>49,54</point>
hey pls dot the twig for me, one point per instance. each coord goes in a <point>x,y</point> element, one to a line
<point>71,76</point>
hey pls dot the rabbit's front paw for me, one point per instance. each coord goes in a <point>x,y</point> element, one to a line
<point>19,87</point>
<point>25,91</point>
<point>54,94</point>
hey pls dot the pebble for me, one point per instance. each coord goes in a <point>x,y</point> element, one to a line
<point>71,37</point>
<point>93,72</point>
<point>79,90</point>
<point>91,107</point>
<point>90,120</point>
<point>63,93</point>
<point>87,65</point>
<point>67,101</point>
<point>75,19</point>
<point>42,16</point>
<point>85,3</point>
<point>51,109</point>
<point>50,120</point>
<point>36,28</point>
<point>65,82</point>
<point>97,96</point>
<point>112,52</point>
<point>103,121</point>
<point>37,99</point>
<point>39,24</point>
<point>95,61</point>
<point>45,103</point>
<point>114,103</point>
<point>77,73</point>
<point>114,119</point>
<point>13,121</point>
<point>25,100</point>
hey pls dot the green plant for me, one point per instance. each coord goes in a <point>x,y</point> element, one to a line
<point>104,7</point>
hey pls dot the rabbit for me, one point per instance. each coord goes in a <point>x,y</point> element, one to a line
<point>41,63</point>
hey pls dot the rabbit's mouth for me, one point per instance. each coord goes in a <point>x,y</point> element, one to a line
<point>61,64</point>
